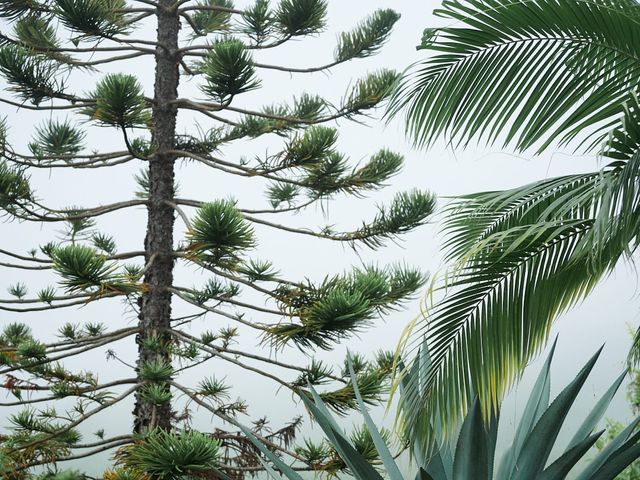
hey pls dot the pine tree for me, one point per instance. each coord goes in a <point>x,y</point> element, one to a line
<point>47,47</point>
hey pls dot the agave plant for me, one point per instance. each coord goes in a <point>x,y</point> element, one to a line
<point>473,455</point>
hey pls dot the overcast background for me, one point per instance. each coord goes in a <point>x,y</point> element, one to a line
<point>604,318</point>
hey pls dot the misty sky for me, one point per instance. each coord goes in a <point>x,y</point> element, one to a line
<point>604,318</point>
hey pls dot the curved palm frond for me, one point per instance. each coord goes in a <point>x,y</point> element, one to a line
<point>531,73</point>
<point>527,72</point>
<point>521,257</point>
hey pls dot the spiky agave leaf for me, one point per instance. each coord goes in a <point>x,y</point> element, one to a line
<point>119,101</point>
<point>367,38</point>
<point>475,452</point>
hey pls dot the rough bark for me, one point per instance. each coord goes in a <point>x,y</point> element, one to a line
<point>155,312</point>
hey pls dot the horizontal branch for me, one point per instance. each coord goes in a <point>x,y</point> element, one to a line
<point>62,305</point>
<point>230,316</point>
<point>73,424</point>
<point>79,392</point>
<point>56,358</point>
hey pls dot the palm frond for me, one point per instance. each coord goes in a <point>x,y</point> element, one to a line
<point>521,257</point>
<point>529,72</point>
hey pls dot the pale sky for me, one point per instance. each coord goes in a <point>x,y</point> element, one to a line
<point>601,319</point>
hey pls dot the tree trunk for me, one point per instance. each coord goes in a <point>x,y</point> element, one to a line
<point>155,311</point>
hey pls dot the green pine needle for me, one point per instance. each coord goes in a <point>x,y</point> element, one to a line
<point>119,101</point>
<point>170,455</point>
<point>279,193</point>
<point>228,71</point>
<point>309,148</point>
<point>257,22</point>
<point>370,91</point>
<point>156,370</point>
<point>82,269</point>
<point>94,19</point>
<point>14,187</point>
<point>220,234</point>
<point>211,20</point>
<point>32,77</point>
<point>367,38</point>
<point>156,394</point>
<point>341,305</point>
<point>407,211</point>
<point>214,388</point>
<point>36,32</point>
<point>301,17</point>
<point>57,140</point>
<point>15,9</point>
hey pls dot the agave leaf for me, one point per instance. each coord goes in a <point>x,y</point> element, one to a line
<point>385,455</point>
<point>422,475</point>
<point>619,460</point>
<point>358,465</point>
<point>559,469</point>
<point>536,405</point>
<point>320,405</point>
<point>439,462</point>
<point>538,444</point>
<point>609,450</point>
<point>476,446</point>
<point>277,461</point>
<point>596,414</point>
<point>270,471</point>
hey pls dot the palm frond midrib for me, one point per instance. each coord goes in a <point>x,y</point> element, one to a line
<point>444,351</point>
<point>435,68</point>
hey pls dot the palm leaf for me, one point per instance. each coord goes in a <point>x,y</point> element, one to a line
<point>529,72</point>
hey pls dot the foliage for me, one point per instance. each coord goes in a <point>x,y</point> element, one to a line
<point>118,102</point>
<point>520,257</point>
<point>473,456</point>
<point>71,60</point>
<point>166,455</point>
